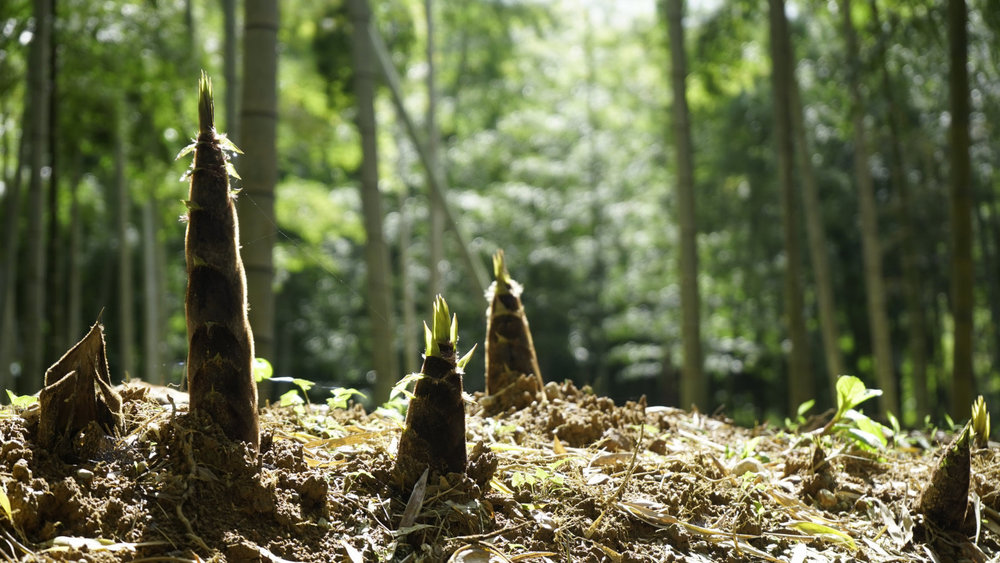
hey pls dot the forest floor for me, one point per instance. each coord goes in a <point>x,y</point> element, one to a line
<point>576,478</point>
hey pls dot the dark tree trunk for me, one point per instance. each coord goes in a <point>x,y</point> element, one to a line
<point>800,387</point>
<point>961,209</point>
<point>694,386</point>
<point>380,310</point>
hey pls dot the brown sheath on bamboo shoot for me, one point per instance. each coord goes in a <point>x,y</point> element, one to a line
<point>220,343</point>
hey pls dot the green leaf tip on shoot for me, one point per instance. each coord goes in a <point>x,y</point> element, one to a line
<point>500,272</point>
<point>430,345</point>
<point>980,422</point>
<point>206,104</point>
<point>444,328</point>
<point>464,361</point>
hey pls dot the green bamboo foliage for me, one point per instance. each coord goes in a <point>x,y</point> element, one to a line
<point>513,378</point>
<point>220,343</point>
<point>434,435</point>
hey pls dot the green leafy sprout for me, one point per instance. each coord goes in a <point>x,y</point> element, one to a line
<point>851,392</point>
<point>862,430</point>
<point>800,415</point>
<point>445,330</point>
<point>980,422</point>
<point>261,369</point>
<point>500,273</point>
<point>341,395</point>
<point>21,402</point>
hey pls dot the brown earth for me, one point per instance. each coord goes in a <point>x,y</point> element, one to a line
<point>576,478</point>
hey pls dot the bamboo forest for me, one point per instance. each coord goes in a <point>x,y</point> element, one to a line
<point>496,280</point>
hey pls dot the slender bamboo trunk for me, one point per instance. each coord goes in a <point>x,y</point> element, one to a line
<point>152,355</point>
<point>436,203</point>
<point>595,336</point>
<point>992,233</point>
<point>916,323</point>
<point>475,268</point>
<point>126,308</point>
<point>55,305</point>
<point>411,342</point>
<point>961,209</point>
<point>189,27</point>
<point>878,319</point>
<point>34,299</point>
<point>74,301</point>
<point>800,387</point>
<point>230,63</point>
<point>8,343</point>
<point>380,310</point>
<point>260,167</point>
<point>987,254</point>
<point>817,243</point>
<point>8,274</point>
<point>694,387</point>
<point>6,331</point>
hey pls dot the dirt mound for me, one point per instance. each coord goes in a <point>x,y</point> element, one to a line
<point>574,478</point>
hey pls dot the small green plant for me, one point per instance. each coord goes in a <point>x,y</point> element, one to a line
<point>851,392</point>
<point>261,369</point>
<point>399,398</point>
<point>853,423</point>
<point>290,398</point>
<point>546,477</point>
<point>341,395</point>
<point>749,446</point>
<point>800,415</point>
<point>21,402</point>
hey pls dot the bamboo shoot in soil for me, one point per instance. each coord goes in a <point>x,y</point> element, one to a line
<point>434,436</point>
<point>513,378</point>
<point>945,500</point>
<point>220,343</point>
<point>78,393</point>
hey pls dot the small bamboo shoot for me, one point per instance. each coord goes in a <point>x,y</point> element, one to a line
<point>220,343</point>
<point>513,378</point>
<point>434,436</point>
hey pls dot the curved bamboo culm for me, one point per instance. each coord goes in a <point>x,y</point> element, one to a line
<point>220,343</point>
<point>513,378</point>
